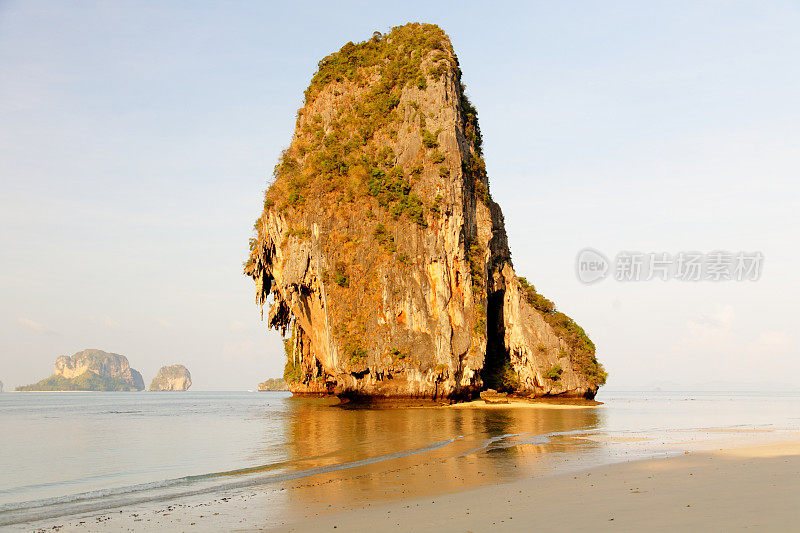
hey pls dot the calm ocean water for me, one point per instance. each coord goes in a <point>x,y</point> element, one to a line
<point>78,452</point>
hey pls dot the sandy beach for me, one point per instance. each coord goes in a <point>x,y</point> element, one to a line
<point>518,403</point>
<point>730,488</point>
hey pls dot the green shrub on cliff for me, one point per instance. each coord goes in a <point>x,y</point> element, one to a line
<point>500,375</point>
<point>384,238</point>
<point>430,139</point>
<point>437,71</point>
<point>582,349</point>
<point>471,129</point>
<point>356,353</point>
<point>474,167</point>
<point>475,253</point>
<point>397,55</point>
<point>554,373</point>
<point>536,300</point>
<point>292,371</point>
<point>397,355</point>
<point>436,209</point>
<point>480,319</point>
<point>393,191</point>
<point>340,275</point>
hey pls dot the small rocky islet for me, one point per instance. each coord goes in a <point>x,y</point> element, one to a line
<point>96,370</point>
<point>172,378</point>
<point>273,384</point>
<point>383,252</point>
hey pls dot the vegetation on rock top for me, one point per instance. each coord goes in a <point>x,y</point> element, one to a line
<point>273,384</point>
<point>88,381</point>
<point>582,349</point>
<point>348,156</point>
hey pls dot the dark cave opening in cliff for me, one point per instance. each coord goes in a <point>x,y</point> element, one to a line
<point>497,371</point>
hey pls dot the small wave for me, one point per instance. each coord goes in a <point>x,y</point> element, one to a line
<point>14,513</point>
<point>510,440</point>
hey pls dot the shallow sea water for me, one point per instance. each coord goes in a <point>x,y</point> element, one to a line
<point>66,453</point>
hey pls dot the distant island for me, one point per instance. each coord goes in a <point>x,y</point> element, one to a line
<point>172,378</point>
<point>273,384</point>
<point>90,370</point>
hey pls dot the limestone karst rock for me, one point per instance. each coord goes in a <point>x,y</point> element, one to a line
<point>172,378</point>
<point>383,251</point>
<point>273,384</point>
<point>91,370</point>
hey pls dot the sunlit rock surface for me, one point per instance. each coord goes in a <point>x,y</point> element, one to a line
<point>381,252</point>
<point>172,378</point>
<point>93,370</point>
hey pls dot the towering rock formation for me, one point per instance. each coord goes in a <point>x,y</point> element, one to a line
<point>382,250</point>
<point>172,378</point>
<point>91,370</point>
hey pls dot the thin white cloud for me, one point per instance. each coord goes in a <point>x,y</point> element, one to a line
<point>165,323</point>
<point>771,343</point>
<point>711,330</point>
<point>723,348</point>
<point>105,321</point>
<point>237,326</point>
<point>246,350</point>
<point>721,318</point>
<point>33,325</point>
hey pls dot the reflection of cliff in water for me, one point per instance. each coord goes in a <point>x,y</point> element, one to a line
<point>430,450</point>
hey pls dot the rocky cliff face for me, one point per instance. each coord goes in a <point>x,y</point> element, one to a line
<point>273,384</point>
<point>382,252</point>
<point>172,378</point>
<point>104,364</point>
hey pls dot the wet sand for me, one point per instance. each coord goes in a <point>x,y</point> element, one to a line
<point>732,488</point>
<point>523,403</point>
<point>757,487</point>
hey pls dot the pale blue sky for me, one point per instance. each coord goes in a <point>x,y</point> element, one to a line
<point>136,140</point>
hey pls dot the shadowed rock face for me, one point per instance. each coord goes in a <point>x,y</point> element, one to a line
<point>172,378</point>
<point>383,251</point>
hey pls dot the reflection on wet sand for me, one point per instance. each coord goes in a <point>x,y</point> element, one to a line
<point>430,450</point>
